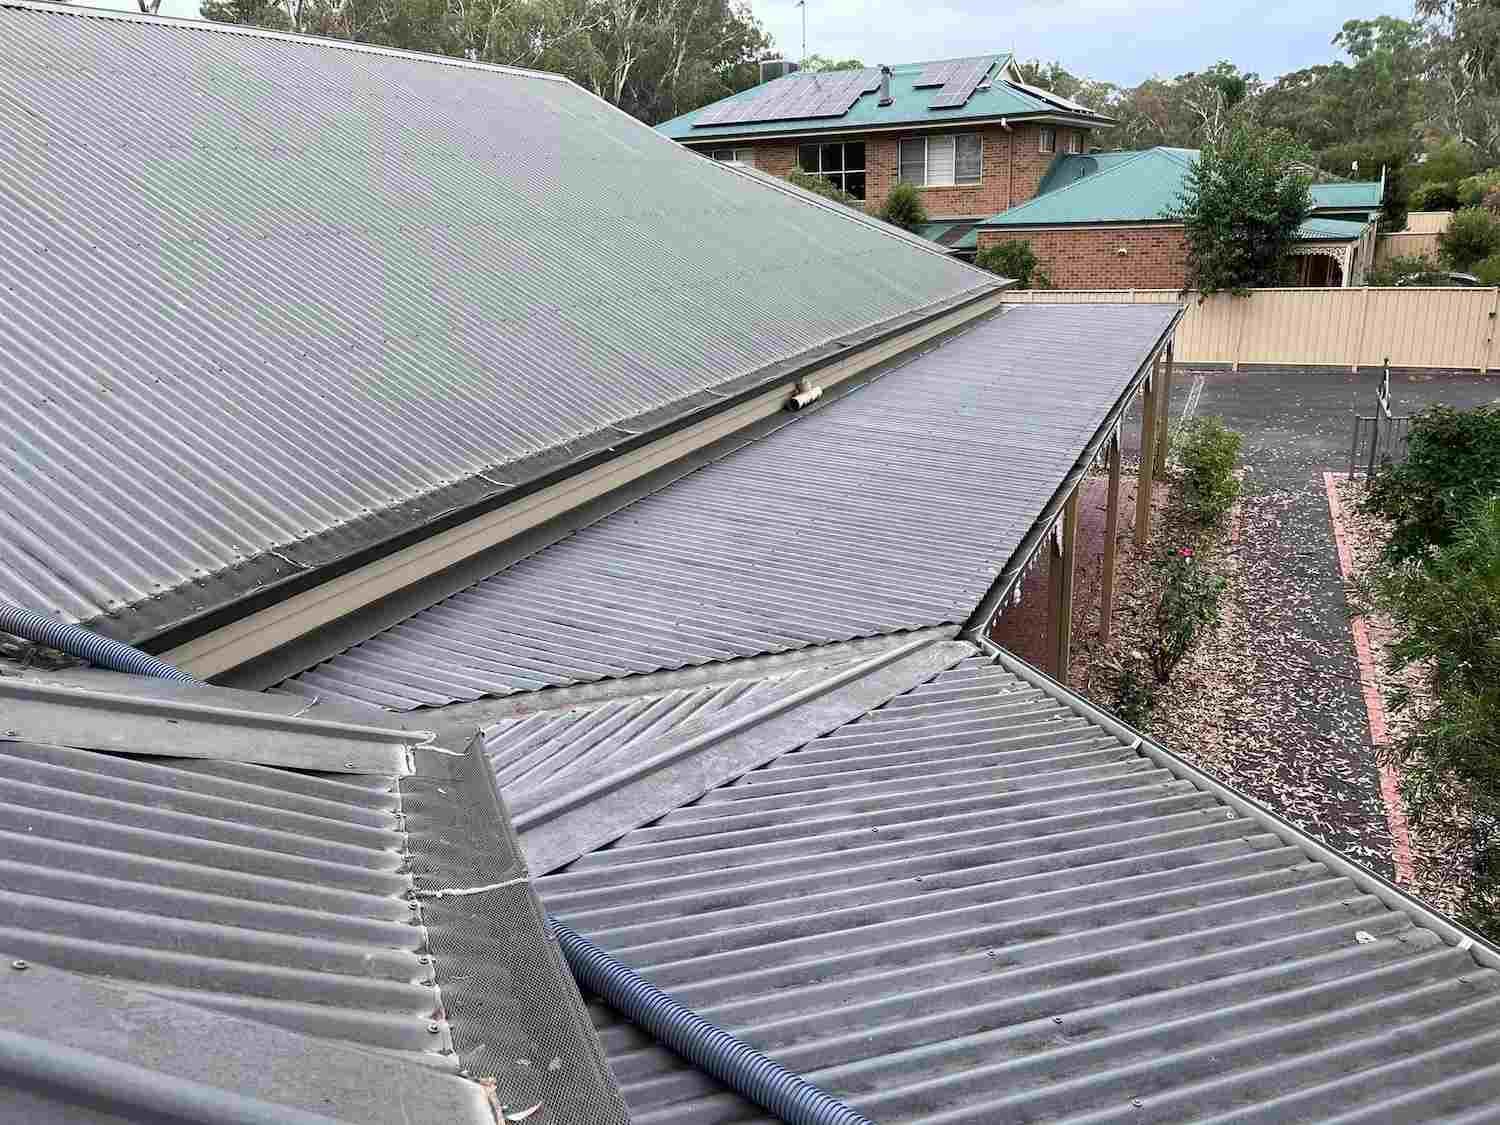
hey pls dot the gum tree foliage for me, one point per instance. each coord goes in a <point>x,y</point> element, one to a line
<point>1241,208</point>
<point>652,58</point>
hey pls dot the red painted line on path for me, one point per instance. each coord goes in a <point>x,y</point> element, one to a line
<point>1390,780</point>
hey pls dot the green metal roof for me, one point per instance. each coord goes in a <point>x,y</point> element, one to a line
<point>1000,99</point>
<point>1125,187</point>
<point>1330,230</point>
<point>952,234</point>
<point>1347,196</point>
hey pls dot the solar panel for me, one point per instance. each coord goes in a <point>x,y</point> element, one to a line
<point>938,73</point>
<point>962,84</point>
<point>796,96</point>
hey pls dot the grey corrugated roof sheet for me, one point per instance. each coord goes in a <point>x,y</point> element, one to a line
<point>978,904</point>
<point>310,900</point>
<point>271,301</point>
<point>890,509</point>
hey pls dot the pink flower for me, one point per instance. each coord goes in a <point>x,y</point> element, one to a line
<point>1186,552</point>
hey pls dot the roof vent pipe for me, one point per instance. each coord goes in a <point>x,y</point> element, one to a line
<point>885,86</point>
<point>806,394</point>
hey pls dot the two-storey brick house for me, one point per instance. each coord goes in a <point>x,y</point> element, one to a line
<point>969,133</point>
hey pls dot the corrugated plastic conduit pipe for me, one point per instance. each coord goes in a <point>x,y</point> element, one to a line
<point>75,640</point>
<point>735,1063</point>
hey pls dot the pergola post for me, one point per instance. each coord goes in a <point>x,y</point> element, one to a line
<point>1111,531</point>
<point>1060,589</point>
<point>1164,422</point>
<point>1148,458</point>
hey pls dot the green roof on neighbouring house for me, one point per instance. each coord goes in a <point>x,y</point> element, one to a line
<point>952,234</point>
<point>1000,93</point>
<point>1330,230</point>
<point>1141,186</point>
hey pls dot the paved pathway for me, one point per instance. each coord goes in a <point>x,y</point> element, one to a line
<point>1300,669</point>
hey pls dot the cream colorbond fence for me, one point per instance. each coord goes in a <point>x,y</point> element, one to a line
<point>1419,239</point>
<point>1319,327</point>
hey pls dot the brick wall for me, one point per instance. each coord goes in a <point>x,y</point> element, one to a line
<point>1013,167</point>
<point>1155,257</point>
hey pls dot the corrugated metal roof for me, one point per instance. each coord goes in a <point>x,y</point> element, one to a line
<point>976,904</point>
<point>1133,187</point>
<point>910,105</point>
<point>1068,167</point>
<point>248,889</point>
<point>1330,230</point>
<point>1362,194</point>
<point>954,234</point>
<point>307,296</point>
<point>892,508</point>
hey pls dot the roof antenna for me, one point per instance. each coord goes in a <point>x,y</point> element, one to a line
<point>800,3</point>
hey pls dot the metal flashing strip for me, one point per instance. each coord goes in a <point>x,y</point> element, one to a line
<point>286,621</point>
<point>255,733</point>
<point>558,826</point>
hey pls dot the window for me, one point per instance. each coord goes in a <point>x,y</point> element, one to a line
<point>1075,141</point>
<point>1048,141</point>
<point>843,164</point>
<point>745,156</point>
<point>941,161</point>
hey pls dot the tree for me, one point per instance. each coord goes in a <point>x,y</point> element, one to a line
<point>818,63</point>
<point>1015,259</point>
<point>1472,235</point>
<point>1241,209</point>
<point>903,207</point>
<point>652,58</point>
<point>1464,71</point>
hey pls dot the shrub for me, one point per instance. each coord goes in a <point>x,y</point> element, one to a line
<point>1488,271</point>
<point>1446,619</point>
<point>1473,234</point>
<point>1189,606</point>
<point>1015,259</point>
<point>903,207</point>
<point>1452,462</point>
<point>1209,452</point>
<point>1434,197</point>
<point>1450,162</point>
<point>820,185</point>
<point>1471,190</point>
<point>1135,690</point>
<point>1406,269</point>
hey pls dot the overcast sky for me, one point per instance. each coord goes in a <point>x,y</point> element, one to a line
<point>1121,41</point>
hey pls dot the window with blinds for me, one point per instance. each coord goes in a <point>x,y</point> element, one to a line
<point>943,160</point>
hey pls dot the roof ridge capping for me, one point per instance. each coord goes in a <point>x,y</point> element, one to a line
<point>206,26</point>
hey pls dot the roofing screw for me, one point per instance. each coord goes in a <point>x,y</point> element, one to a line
<point>433,1029</point>
<point>411,906</point>
<point>348,765</point>
<point>1057,1019</point>
<point>20,966</point>
<point>1136,1102</point>
<point>422,960</point>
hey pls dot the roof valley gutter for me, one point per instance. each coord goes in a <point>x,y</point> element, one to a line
<point>287,612</point>
<point>1367,880</point>
<point>979,621</point>
<point>727,1058</point>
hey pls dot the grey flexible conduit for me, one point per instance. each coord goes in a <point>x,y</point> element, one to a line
<point>713,1050</point>
<point>75,640</point>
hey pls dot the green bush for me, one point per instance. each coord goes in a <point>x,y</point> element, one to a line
<point>1445,616</point>
<point>821,185</point>
<point>1473,235</point>
<point>1488,271</point>
<point>1452,463</point>
<point>1405,269</point>
<point>1015,259</point>
<point>1135,690</point>
<point>1188,607</point>
<point>1450,162</point>
<point>1472,189</point>
<point>1433,197</point>
<point>1209,452</point>
<point>903,207</point>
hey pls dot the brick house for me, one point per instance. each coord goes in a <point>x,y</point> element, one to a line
<point>1096,223</point>
<point>973,137</point>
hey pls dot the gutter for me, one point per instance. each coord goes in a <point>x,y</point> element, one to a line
<point>979,621</point>
<point>1452,932</point>
<point>1053,117</point>
<point>285,608</point>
